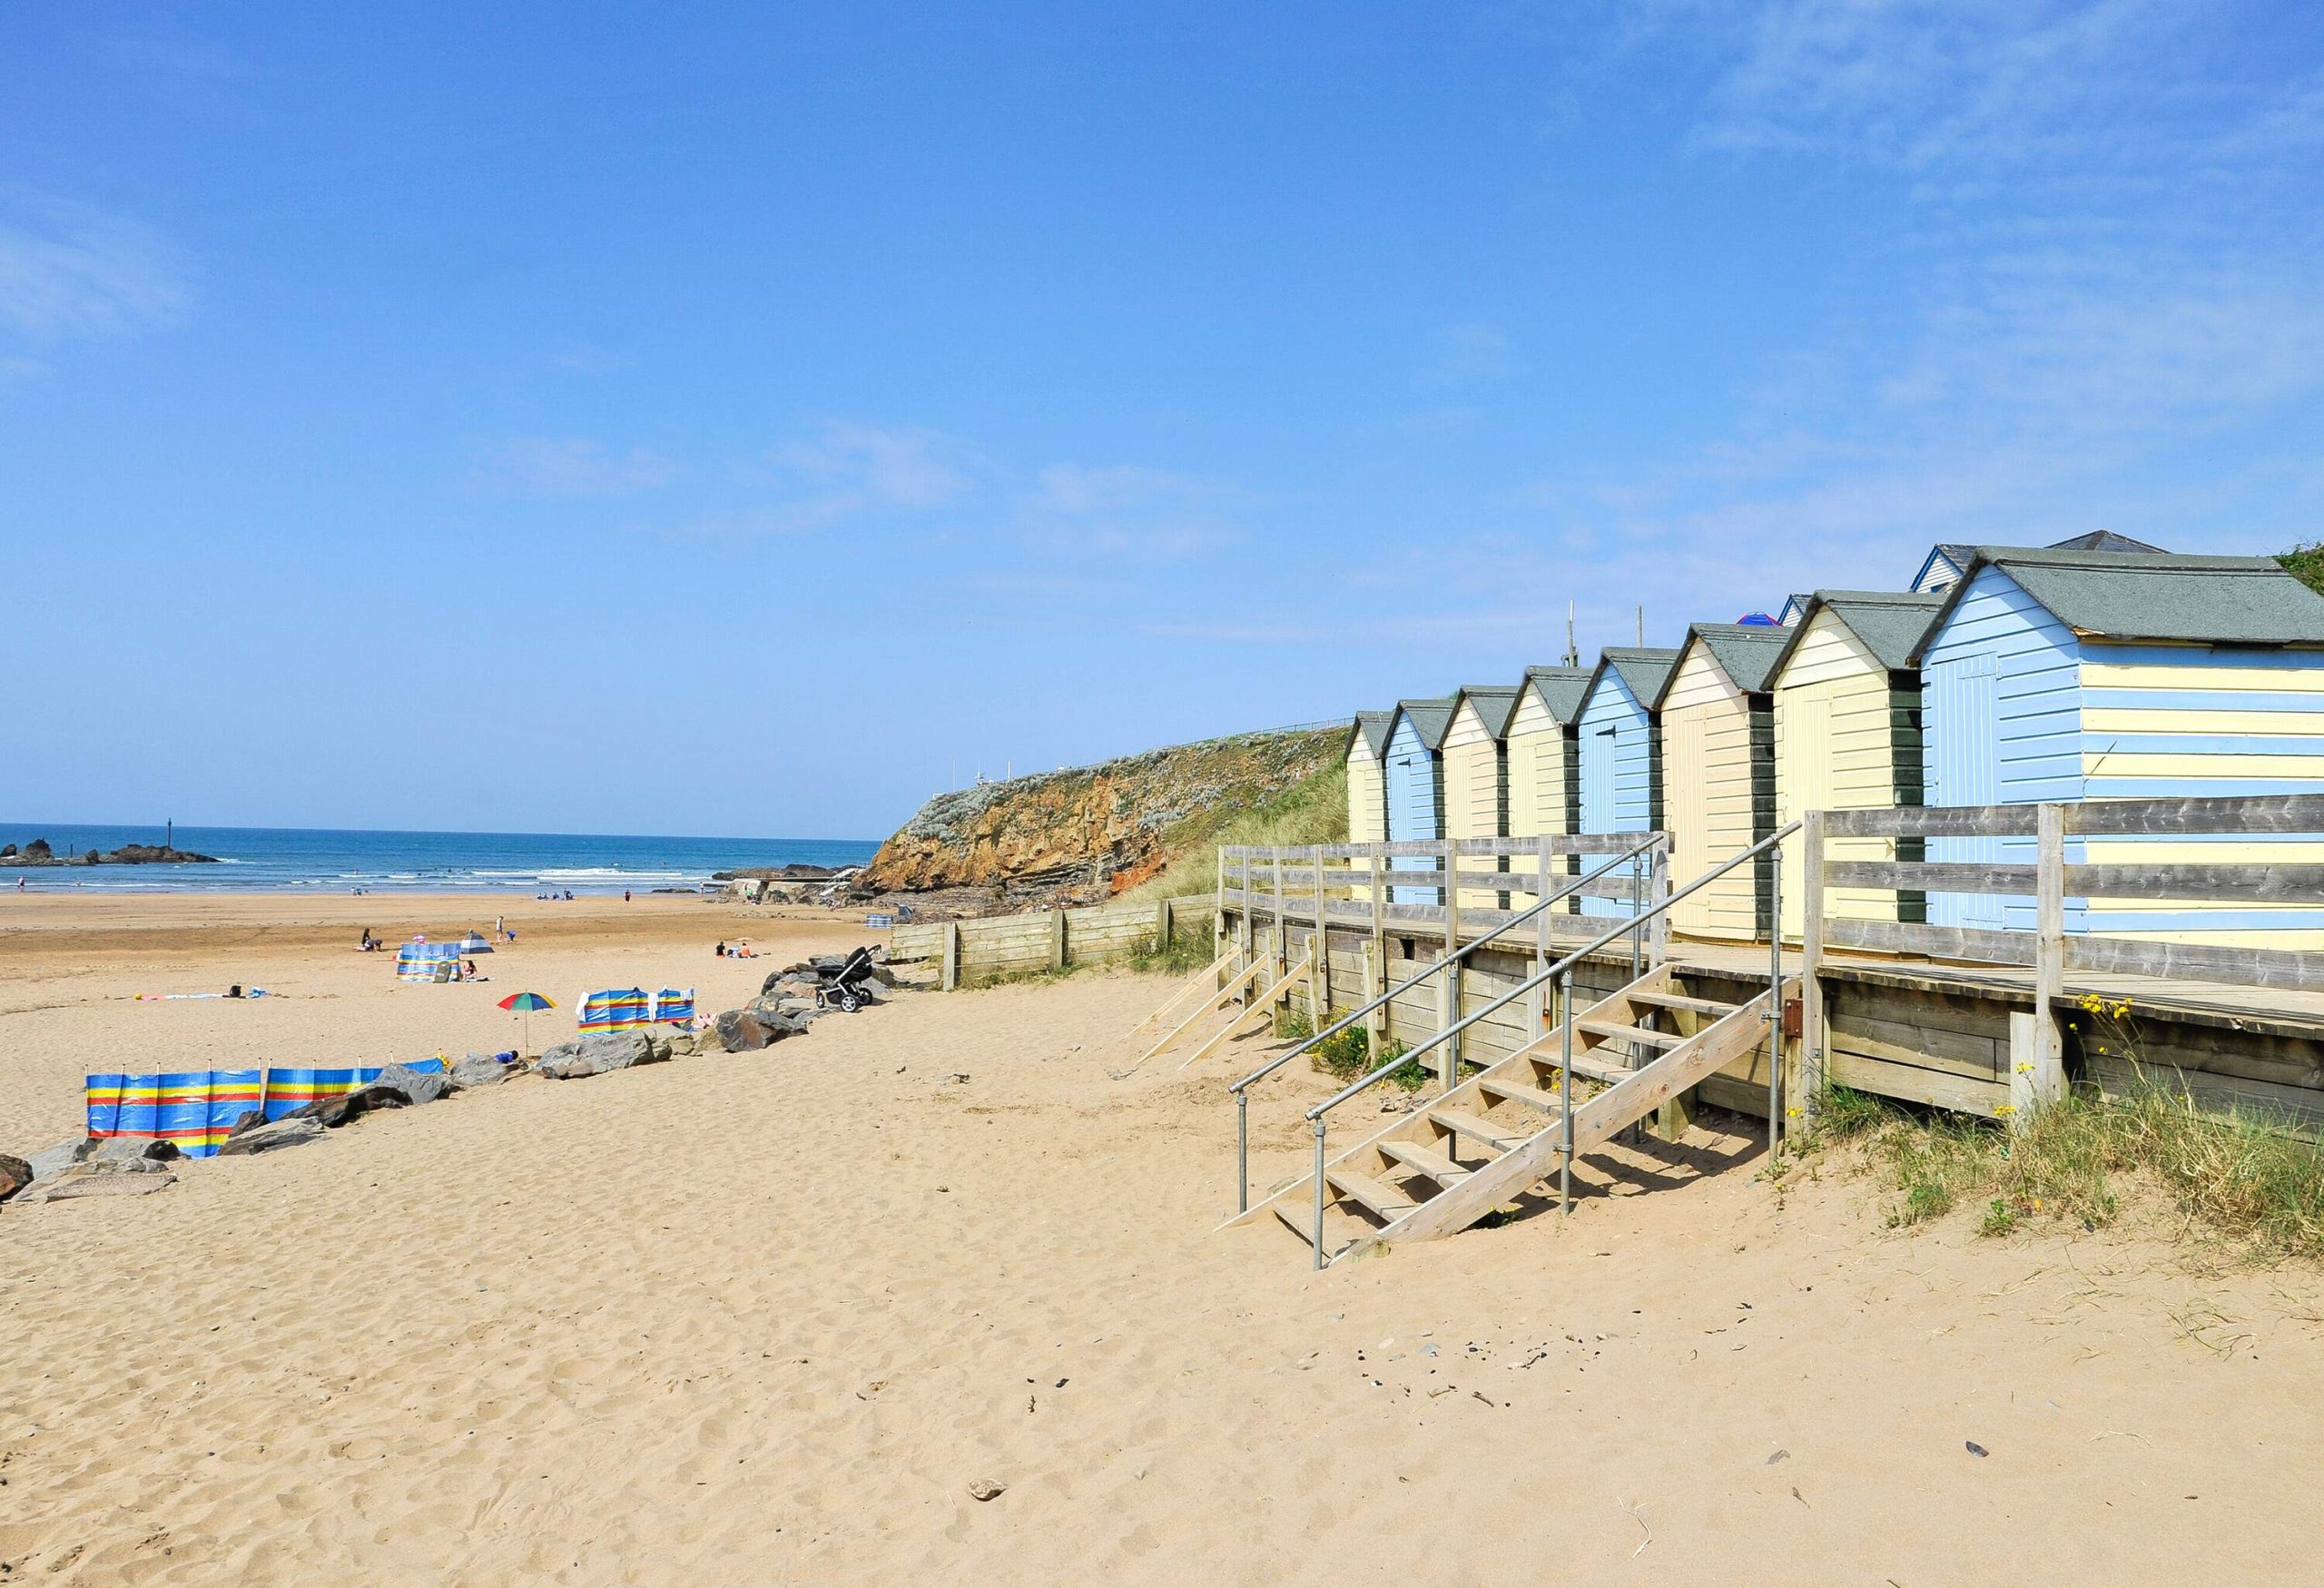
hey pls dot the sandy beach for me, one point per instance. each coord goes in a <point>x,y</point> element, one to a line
<point>766,1317</point>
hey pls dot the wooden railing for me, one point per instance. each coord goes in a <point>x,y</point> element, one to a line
<point>2050,882</point>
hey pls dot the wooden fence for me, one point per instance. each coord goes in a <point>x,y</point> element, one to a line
<point>968,951</point>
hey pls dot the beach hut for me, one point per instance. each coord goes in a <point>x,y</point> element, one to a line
<point>1367,800</point>
<point>1621,751</point>
<point>2061,674</point>
<point>1476,777</point>
<point>1544,768</point>
<point>1413,770</point>
<point>1717,720</point>
<point>1848,721</point>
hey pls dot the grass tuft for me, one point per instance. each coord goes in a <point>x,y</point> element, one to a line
<point>2241,1174</point>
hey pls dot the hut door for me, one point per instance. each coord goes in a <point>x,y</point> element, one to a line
<point>1962,702</point>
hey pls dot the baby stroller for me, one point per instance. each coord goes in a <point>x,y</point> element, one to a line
<point>844,989</point>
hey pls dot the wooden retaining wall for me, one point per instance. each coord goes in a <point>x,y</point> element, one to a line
<point>983,950</point>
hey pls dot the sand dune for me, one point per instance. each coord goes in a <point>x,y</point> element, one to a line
<point>766,1317</point>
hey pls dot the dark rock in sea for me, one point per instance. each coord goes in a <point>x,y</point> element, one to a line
<point>37,848</point>
<point>417,1086</point>
<point>37,852</point>
<point>16,1174</point>
<point>283,1132</point>
<point>598,1054</point>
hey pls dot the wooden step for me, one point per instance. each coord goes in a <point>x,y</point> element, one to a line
<point>1499,1137</point>
<point>1615,1031</point>
<point>1299,1218</point>
<point>1381,1201</point>
<point>1660,999</point>
<point>1427,1160</point>
<point>1517,1091</point>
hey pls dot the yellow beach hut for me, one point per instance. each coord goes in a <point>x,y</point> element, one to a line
<point>1476,777</point>
<point>1847,720</point>
<point>1367,786</point>
<point>1544,753</point>
<point>1719,773</point>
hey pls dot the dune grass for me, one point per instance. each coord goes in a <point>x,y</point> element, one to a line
<point>1311,811</point>
<point>2240,1174</point>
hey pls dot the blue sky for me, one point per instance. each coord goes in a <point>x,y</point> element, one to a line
<point>746,420</point>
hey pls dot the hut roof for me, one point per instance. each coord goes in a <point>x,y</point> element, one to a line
<point>1891,623</point>
<point>1495,705</point>
<point>1375,726</point>
<point>1561,689</point>
<point>1645,668</point>
<point>1959,554</point>
<point>2158,596</point>
<point>1745,652</point>
<point>1430,719</point>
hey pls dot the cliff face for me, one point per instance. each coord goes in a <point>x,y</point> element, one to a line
<point>1113,823</point>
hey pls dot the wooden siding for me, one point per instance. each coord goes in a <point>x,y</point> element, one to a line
<point>1367,800</point>
<point>1712,778</point>
<point>1415,801</point>
<point>2187,721</point>
<point>2001,716</point>
<point>1543,782</point>
<point>1475,794</point>
<point>1836,748</point>
<point>1005,945</point>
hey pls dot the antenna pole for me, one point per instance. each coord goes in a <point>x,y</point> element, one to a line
<point>1572,654</point>
<point>1641,624</point>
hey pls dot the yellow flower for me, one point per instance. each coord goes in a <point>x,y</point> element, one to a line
<point>2025,1070</point>
<point>2005,1109</point>
<point>2120,1010</point>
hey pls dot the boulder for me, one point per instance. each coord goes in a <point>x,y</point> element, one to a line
<point>739,1031</point>
<point>133,1149</point>
<point>57,1159</point>
<point>480,1070</point>
<point>598,1053</point>
<point>417,1086</point>
<point>658,1041</point>
<point>682,1043</point>
<point>283,1132</point>
<point>16,1174</point>
<point>347,1108</point>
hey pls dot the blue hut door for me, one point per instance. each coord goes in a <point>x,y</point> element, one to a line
<point>1963,699</point>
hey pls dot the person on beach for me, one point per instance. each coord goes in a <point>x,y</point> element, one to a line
<point>624,895</point>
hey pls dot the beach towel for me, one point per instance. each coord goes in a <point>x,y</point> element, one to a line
<point>289,1090</point>
<point>672,1007</point>
<point>618,1009</point>
<point>193,1109</point>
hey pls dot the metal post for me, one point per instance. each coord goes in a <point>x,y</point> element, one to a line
<point>1242,1152</point>
<point>1774,1001</point>
<point>1319,1193</point>
<point>1565,1092</point>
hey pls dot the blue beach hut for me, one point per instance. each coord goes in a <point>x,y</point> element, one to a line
<point>1622,747</point>
<point>1413,771</point>
<point>2064,674</point>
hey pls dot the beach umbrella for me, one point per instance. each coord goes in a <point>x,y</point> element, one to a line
<point>524,1003</point>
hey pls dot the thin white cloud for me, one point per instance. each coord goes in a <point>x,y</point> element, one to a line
<point>876,466</point>
<point>571,466</point>
<point>69,271</point>
<point>1129,511</point>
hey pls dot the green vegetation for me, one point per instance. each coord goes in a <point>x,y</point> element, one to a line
<point>1346,1055</point>
<point>2305,562</point>
<point>2240,1174</point>
<point>1189,951</point>
<point>1311,811</point>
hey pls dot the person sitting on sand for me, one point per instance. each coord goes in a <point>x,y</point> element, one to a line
<point>721,949</point>
<point>369,942</point>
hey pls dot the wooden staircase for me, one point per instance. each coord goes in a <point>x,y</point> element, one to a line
<point>1443,1167</point>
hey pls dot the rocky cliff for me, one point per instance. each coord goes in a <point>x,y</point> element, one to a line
<point>1111,824</point>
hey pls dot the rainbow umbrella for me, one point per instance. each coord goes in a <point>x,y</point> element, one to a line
<point>524,1003</point>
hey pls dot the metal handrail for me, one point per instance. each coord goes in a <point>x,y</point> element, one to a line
<point>1563,971</point>
<point>1272,1065</point>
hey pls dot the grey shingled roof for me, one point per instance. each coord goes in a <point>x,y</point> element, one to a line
<point>1430,719</point>
<point>1745,652</point>
<point>1645,668</point>
<point>1374,726</point>
<point>2160,596</point>
<point>1561,689</point>
<point>1496,704</point>
<point>2100,541</point>
<point>1891,623</point>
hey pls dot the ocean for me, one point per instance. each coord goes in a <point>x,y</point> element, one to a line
<point>320,859</point>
